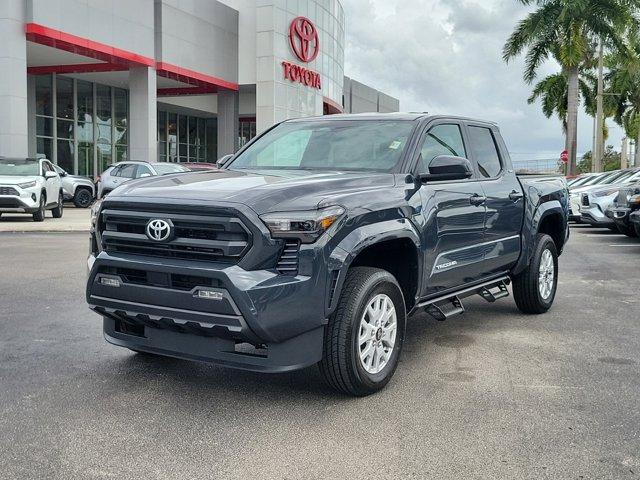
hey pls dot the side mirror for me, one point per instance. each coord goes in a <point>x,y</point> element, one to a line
<point>62,174</point>
<point>50,175</point>
<point>222,161</point>
<point>448,167</point>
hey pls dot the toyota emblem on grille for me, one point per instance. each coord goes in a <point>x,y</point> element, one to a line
<point>159,230</point>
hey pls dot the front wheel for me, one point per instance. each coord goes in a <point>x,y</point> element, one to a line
<point>628,230</point>
<point>83,198</point>
<point>363,339</point>
<point>57,212</point>
<point>38,216</point>
<point>535,288</point>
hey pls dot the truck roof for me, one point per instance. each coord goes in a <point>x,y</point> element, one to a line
<point>406,116</point>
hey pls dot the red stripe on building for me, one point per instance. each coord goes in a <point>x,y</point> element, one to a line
<point>83,46</point>
<point>191,77</point>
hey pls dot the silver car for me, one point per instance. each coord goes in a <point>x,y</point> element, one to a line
<point>122,172</point>
<point>77,189</point>
<point>595,201</point>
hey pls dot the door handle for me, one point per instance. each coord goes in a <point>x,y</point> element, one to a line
<point>515,196</point>
<point>477,200</point>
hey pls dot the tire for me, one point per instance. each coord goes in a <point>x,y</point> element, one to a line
<point>343,366</point>
<point>59,210</point>
<point>526,286</point>
<point>636,227</point>
<point>83,198</point>
<point>38,216</point>
<point>628,230</point>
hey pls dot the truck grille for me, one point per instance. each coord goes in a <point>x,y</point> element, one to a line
<point>218,236</point>
<point>9,191</point>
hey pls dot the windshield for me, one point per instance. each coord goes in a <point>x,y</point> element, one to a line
<point>19,167</point>
<point>342,145</point>
<point>166,168</point>
<point>617,178</point>
<point>580,181</point>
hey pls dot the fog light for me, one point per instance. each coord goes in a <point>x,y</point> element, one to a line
<point>110,282</point>
<point>209,295</point>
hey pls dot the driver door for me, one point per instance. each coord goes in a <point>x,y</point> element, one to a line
<point>454,215</point>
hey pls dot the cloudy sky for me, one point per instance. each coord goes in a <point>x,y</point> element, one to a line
<point>445,56</point>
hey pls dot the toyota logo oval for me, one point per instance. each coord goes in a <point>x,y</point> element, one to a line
<point>303,37</point>
<point>159,230</point>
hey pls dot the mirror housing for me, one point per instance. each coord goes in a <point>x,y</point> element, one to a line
<point>50,174</point>
<point>448,167</point>
<point>222,161</point>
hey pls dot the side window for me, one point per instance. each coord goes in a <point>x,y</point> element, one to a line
<point>115,172</point>
<point>445,139</point>
<point>143,170</point>
<point>127,171</point>
<point>485,151</point>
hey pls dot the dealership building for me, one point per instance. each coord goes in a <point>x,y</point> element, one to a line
<point>91,82</point>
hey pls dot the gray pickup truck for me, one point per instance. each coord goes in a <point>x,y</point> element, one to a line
<point>316,242</point>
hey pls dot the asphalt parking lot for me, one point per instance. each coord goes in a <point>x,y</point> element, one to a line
<point>490,394</point>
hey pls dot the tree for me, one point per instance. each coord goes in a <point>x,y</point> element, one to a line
<point>624,81</point>
<point>567,30</point>
<point>610,161</point>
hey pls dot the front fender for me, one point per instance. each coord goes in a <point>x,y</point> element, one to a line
<point>358,240</point>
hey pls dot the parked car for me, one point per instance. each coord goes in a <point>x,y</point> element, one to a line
<point>597,180</point>
<point>30,185</point>
<point>122,172</point>
<point>634,218</point>
<point>199,166</point>
<point>318,239</point>
<point>626,202</point>
<point>595,201</point>
<point>77,189</point>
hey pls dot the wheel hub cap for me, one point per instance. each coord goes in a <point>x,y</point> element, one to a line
<point>377,333</point>
<point>546,274</point>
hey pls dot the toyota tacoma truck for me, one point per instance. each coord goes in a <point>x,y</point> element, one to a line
<point>317,241</point>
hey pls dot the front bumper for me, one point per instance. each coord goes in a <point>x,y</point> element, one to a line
<point>251,309</point>
<point>619,215</point>
<point>593,215</point>
<point>19,204</point>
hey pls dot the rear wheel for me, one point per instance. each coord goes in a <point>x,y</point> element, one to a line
<point>38,216</point>
<point>535,288</point>
<point>57,212</point>
<point>82,198</point>
<point>363,339</point>
<point>636,227</point>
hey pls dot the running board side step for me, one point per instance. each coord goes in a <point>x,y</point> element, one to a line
<point>447,306</point>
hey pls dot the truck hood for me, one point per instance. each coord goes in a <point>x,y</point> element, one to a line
<point>13,180</point>
<point>263,191</point>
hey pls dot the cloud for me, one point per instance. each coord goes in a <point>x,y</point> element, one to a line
<point>445,56</point>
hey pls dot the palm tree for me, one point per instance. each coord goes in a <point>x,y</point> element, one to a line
<point>567,30</point>
<point>624,81</point>
<point>553,93</point>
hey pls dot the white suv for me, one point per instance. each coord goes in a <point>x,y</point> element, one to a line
<point>29,185</point>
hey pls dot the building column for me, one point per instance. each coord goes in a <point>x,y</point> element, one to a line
<point>143,123</point>
<point>13,84</point>
<point>228,122</point>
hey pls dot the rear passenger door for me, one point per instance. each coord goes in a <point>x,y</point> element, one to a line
<point>453,213</point>
<point>505,201</point>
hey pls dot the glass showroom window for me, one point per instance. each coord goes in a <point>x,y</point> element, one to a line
<point>81,126</point>
<point>44,116</point>
<point>183,138</point>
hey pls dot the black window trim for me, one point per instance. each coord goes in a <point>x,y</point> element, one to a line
<point>465,140</point>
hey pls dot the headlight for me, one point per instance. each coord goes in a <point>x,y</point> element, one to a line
<point>634,200</point>
<point>95,211</point>
<point>606,193</point>
<point>27,184</point>
<point>306,226</point>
